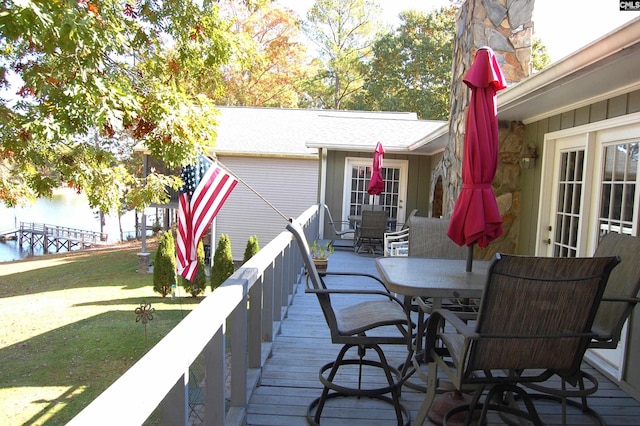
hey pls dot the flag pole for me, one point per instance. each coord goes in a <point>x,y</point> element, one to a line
<point>252,190</point>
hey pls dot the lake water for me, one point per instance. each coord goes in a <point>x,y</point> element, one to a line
<point>66,208</point>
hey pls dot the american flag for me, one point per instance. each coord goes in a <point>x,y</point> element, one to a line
<point>206,187</point>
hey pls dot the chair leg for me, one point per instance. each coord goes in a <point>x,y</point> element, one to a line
<point>432,384</point>
<point>563,395</point>
<point>334,390</point>
<point>499,391</point>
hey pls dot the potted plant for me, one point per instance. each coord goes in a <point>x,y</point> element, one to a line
<point>320,253</point>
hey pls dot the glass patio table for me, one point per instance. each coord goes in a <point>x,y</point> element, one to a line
<point>433,278</point>
<point>436,279</point>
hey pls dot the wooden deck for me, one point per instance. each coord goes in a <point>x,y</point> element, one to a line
<point>290,377</point>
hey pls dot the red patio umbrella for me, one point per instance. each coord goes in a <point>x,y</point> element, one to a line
<point>376,183</point>
<point>476,217</point>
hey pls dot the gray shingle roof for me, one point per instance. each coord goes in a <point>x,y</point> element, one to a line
<point>299,132</point>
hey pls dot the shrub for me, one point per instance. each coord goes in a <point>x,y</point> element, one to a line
<point>252,248</point>
<point>164,265</point>
<point>222,262</point>
<point>200,280</point>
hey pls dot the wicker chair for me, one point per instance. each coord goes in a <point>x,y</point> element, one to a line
<point>362,325</point>
<point>370,232</point>
<point>620,297</point>
<point>535,318</point>
<point>337,233</point>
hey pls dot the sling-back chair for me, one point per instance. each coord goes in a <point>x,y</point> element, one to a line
<point>620,297</point>
<point>337,233</point>
<point>535,320</point>
<point>370,232</point>
<point>373,317</point>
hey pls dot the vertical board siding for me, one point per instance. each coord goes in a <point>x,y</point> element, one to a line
<point>614,107</point>
<point>289,184</point>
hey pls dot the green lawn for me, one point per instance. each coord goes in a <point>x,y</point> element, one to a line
<point>70,330</point>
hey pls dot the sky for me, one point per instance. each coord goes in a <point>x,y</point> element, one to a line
<point>585,21</point>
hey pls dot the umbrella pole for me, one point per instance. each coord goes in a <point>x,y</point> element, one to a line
<point>470,257</point>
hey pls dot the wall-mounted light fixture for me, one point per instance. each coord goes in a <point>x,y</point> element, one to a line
<point>528,158</point>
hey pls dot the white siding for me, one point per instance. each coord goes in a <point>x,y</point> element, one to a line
<point>289,184</point>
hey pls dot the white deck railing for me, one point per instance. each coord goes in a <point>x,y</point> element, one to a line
<point>160,378</point>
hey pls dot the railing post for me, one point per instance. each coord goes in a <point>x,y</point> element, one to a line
<point>286,288</point>
<point>269,313</point>
<point>215,379</point>
<point>255,330</point>
<point>174,406</point>
<point>277,287</point>
<point>238,320</point>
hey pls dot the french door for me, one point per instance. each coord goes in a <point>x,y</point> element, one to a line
<point>592,179</point>
<point>356,180</point>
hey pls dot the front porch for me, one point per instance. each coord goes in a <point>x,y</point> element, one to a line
<point>290,377</point>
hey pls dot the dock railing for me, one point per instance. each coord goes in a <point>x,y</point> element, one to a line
<point>58,236</point>
<point>252,302</point>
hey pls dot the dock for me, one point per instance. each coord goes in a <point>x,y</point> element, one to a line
<point>53,238</point>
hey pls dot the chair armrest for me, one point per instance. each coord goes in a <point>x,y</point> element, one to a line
<point>397,235</point>
<point>436,322</point>
<point>631,300</point>
<point>454,320</point>
<point>354,291</point>
<point>358,274</point>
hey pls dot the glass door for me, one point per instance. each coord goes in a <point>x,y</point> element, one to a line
<point>592,179</point>
<point>392,199</point>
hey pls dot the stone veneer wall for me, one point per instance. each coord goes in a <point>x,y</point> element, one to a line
<point>506,27</point>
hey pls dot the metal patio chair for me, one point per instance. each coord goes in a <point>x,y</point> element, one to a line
<point>535,321</point>
<point>396,243</point>
<point>360,325</point>
<point>370,233</point>
<point>337,233</point>
<point>618,301</point>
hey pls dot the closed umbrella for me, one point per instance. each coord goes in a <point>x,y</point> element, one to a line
<point>476,217</point>
<point>376,183</point>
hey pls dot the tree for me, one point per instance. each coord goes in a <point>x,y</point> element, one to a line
<point>88,80</point>
<point>251,249</point>
<point>344,32</point>
<point>540,56</point>
<point>269,64</point>
<point>164,265</point>
<point>199,283</point>
<point>223,266</point>
<point>411,67</point>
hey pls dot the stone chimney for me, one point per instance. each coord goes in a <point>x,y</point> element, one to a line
<point>506,26</point>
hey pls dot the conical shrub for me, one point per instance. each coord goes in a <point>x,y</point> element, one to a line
<point>164,265</point>
<point>251,249</point>
<point>223,266</point>
<point>199,283</point>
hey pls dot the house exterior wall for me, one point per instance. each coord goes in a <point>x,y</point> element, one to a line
<point>290,184</point>
<point>530,197</point>
<point>418,185</point>
<point>534,136</point>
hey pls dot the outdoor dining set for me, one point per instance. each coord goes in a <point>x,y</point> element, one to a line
<point>489,339</point>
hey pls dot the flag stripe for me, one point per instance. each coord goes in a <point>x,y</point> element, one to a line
<point>206,211</point>
<point>200,200</point>
<point>183,230</point>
